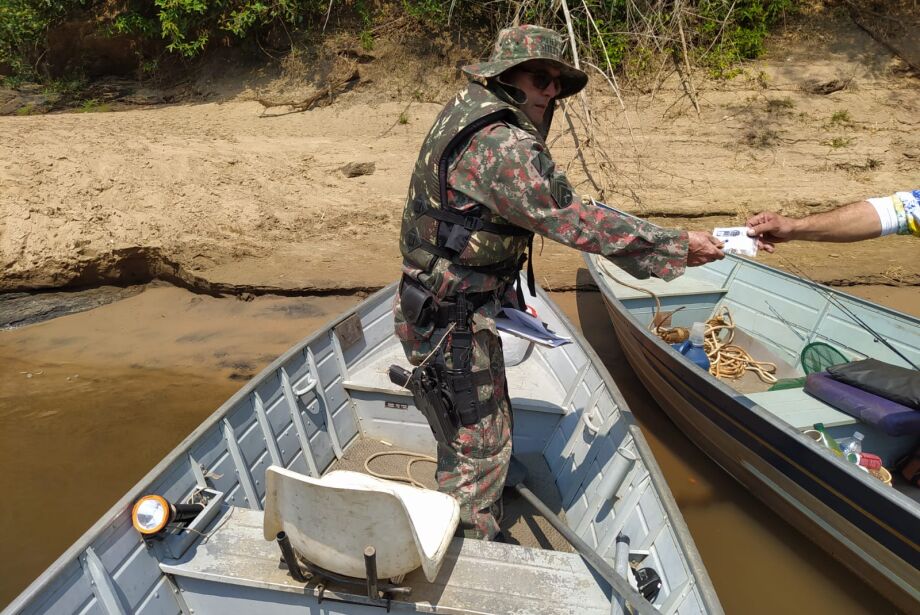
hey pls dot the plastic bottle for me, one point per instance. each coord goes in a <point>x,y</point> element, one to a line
<point>693,348</point>
<point>854,446</point>
<point>827,440</point>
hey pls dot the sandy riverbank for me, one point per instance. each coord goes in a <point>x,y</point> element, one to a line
<point>217,197</point>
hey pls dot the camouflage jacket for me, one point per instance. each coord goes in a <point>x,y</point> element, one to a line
<point>506,168</point>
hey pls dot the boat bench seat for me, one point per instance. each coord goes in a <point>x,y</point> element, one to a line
<point>802,411</point>
<point>690,297</point>
<point>235,561</point>
<point>527,385</point>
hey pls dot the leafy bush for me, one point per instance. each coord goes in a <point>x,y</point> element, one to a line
<point>717,33</point>
<point>23,24</point>
<point>736,31</point>
<point>434,12</point>
<point>627,34</point>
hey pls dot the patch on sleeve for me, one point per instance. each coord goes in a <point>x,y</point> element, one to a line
<point>561,190</point>
<point>543,164</point>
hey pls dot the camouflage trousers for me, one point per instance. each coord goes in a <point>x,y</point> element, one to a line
<point>473,467</point>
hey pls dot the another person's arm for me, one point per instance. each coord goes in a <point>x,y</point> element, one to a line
<point>899,213</point>
<point>503,170</point>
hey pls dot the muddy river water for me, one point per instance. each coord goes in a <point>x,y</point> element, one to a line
<point>90,402</point>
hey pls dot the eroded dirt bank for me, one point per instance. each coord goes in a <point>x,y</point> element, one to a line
<point>221,200</point>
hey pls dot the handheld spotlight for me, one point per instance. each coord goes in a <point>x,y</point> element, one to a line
<point>152,513</point>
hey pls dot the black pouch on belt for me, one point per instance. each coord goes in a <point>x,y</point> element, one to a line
<point>465,395</point>
<point>416,302</point>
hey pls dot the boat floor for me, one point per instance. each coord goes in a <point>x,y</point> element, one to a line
<point>235,570</point>
<point>750,382</point>
<point>520,524</point>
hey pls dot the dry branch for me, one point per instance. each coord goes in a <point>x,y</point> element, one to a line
<point>320,98</point>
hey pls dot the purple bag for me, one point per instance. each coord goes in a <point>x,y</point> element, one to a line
<point>889,416</point>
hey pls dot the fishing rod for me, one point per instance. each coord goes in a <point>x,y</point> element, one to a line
<point>829,295</point>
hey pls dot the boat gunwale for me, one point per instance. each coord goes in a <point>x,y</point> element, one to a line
<point>892,497</point>
<point>682,535</point>
<point>85,540</point>
<point>697,569</point>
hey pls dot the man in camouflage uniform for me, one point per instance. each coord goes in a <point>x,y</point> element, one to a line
<point>484,183</point>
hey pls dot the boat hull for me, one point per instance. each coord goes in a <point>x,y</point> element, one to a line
<point>314,407</point>
<point>849,518</point>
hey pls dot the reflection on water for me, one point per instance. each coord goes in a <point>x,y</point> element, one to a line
<point>757,562</point>
<point>89,403</point>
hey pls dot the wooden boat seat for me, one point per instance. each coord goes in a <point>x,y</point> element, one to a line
<point>475,577</point>
<point>527,381</point>
<point>330,520</point>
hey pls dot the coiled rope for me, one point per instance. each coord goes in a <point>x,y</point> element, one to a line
<point>413,458</point>
<point>726,360</point>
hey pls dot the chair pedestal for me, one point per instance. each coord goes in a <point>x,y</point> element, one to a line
<point>377,592</point>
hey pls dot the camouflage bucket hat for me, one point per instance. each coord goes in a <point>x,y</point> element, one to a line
<point>524,43</point>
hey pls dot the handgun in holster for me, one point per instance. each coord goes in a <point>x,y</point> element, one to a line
<point>433,397</point>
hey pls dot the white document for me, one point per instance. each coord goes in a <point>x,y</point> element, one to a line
<point>522,324</point>
<point>736,240</point>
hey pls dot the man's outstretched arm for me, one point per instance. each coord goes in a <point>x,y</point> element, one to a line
<point>853,222</point>
<point>899,213</point>
<point>505,170</point>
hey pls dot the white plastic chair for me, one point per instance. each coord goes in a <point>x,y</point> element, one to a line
<point>332,519</point>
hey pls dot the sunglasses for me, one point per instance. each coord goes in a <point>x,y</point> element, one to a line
<point>541,79</point>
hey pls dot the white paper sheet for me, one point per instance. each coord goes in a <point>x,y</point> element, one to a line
<point>522,324</point>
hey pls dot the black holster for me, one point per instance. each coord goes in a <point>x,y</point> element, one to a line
<point>433,397</point>
<point>462,380</point>
<point>448,398</point>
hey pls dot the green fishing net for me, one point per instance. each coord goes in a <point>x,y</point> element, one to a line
<point>818,356</point>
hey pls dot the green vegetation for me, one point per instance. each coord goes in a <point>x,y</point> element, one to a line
<point>838,142</point>
<point>403,118</point>
<point>714,33</point>
<point>617,34</point>
<point>434,12</point>
<point>94,106</point>
<point>735,31</point>
<point>840,118</point>
<point>780,105</point>
<point>23,24</point>
<point>367,21</point>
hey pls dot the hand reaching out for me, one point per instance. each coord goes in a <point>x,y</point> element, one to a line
<point>704,248</point>
<point>770,228</point>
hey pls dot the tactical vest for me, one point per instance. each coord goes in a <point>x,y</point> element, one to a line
<point>474,238</point>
